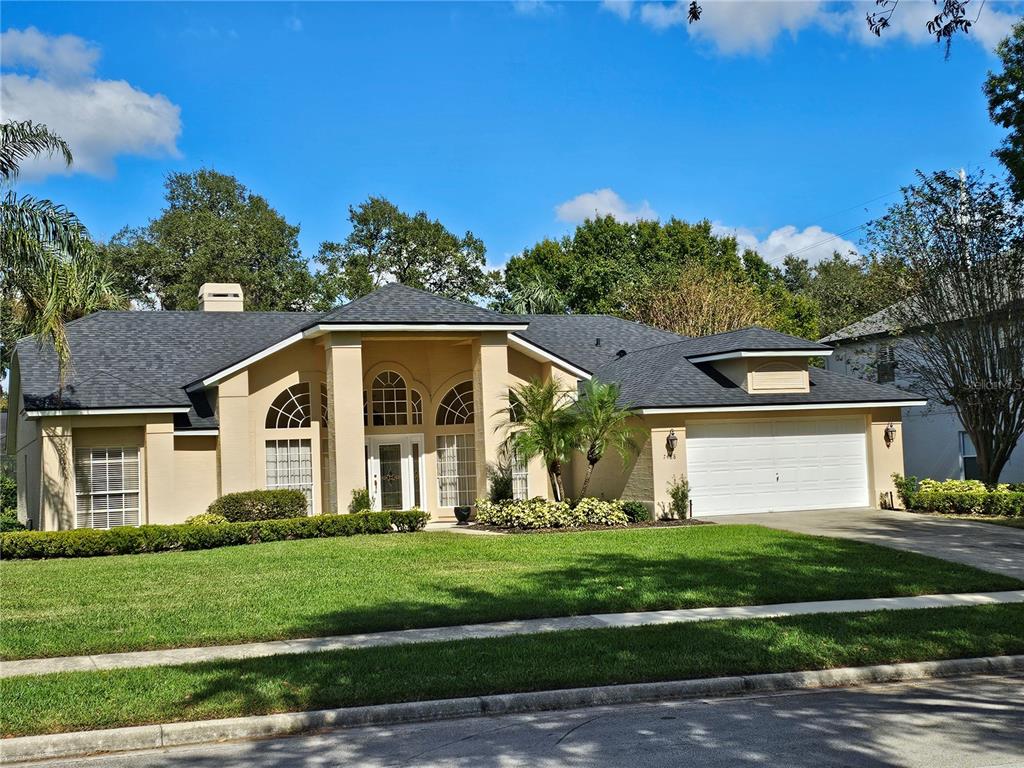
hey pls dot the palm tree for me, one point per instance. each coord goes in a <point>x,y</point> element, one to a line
<point>38,241</point>
<point>601,423</point>
<point>542,423</point>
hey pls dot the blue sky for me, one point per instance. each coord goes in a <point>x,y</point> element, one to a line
<point>510,119</point>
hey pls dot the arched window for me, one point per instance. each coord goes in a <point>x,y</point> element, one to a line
<point>416,401</point>
<point>290,408</point>
<point>457,406</point>
<point>390,400</point>
<point>324,410</point>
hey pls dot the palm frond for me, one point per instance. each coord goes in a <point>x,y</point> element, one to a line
<point>31,230</point>
<point>20,140</point>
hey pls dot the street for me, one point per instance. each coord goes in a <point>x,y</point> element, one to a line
<point>960,723</point>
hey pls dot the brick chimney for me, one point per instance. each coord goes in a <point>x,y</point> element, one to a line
<point>221,297</point>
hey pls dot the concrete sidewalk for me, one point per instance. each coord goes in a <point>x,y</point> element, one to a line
<point>498,629</point>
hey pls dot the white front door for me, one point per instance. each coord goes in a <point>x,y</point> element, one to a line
<point>775,465</point>
<point>395,471</point>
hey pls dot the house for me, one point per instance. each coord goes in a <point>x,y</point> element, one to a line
<point>935,443</point>
<point>405,393</point>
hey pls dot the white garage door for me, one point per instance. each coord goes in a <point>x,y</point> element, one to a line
<point>785,464</point>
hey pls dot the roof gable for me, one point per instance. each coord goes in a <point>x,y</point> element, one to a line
<point>395,304</point>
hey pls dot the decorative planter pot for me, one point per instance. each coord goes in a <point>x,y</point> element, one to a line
<point>463,514</point>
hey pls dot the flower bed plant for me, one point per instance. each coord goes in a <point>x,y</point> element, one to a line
<point>542,513</point>
<point>959,497</point>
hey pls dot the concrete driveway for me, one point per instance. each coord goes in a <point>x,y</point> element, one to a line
<point>991,547</point>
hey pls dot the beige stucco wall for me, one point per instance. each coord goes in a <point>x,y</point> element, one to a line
<point>765,375</point>
<point>195,473</point>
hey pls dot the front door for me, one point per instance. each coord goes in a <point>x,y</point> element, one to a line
<point>395,471</point>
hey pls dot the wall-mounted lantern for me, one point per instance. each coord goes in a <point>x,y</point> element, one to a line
<point>671,442</point>
<point>890,434</point>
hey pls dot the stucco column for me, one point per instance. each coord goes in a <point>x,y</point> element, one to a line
<point>490,396</point>
<point>57,478</point>
<point>884,458</point>
<point>345,414</point>
<point>162,503</point>
<point>664,468</point>
<point>235,453</point>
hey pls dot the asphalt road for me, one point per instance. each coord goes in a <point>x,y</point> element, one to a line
<point>967,723</point>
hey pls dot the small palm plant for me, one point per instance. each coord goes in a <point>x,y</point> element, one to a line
<point>542,422</point>
<point>602,424</point>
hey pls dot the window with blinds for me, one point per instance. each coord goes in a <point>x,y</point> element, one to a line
<point>106,487</point>
<point>290,465</point>
<point>520,477</point>
<point>456,470</point>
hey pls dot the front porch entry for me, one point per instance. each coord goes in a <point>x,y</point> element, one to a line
<point>395,471</point>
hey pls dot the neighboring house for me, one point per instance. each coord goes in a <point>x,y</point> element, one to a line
<point>405,393</point>
<point>935,443</point>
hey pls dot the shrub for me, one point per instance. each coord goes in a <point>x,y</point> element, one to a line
<point>500,477</point>
<point>409,520</point>
<point>360,500</point>
<point>538,512</point>
<point>9,521</point>
<point>906,487</point>
<point>270,504</point>
<point>88,542</point>
<point>679,493</point>
<point>8,491</point>
<point>206,518</point>
<point>636,511</point>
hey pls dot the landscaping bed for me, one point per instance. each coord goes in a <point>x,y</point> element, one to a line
<point>320,587</point>
<point>89,700</point>
<point>596,527</point>
<point>960,497</point>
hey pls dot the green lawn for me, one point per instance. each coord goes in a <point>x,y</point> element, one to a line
<point>83,700</point>
<point>367,583</point>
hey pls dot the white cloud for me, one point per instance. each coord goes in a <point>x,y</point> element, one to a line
<point>99,119</point>
<point>621,8</point>
<point>753,26</point>
<point>812,243</point>
<point>532,7</point>
<point>602,202</point>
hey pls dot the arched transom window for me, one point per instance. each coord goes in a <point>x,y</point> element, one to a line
<point>390,400</point>
<point>324,409</point>
<point>416,401</point>
<point>457,405</point>
<point>290,408</point>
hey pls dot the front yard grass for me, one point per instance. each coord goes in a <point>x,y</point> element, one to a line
<point>373,583</point>
<point>86,700</point>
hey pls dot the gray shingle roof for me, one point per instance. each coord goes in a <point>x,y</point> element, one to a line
<point>753,338</point>
<point>877,324</point>
<point>396,303</point>
<point>575,337</point>
<point>145,359</point>
<point>662,377</point>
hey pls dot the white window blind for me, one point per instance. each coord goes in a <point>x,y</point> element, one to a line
<point>290,465</point>
<point>520,477</point>
<point>106,487</point>
<point>456,470</point>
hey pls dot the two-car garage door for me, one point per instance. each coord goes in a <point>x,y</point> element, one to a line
<point>774,465</point>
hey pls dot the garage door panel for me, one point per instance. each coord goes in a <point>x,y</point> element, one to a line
<point>783,464</point>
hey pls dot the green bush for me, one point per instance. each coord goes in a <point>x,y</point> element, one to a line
<point>87,542</point>
<point>8,491</point>
<point>269,504</point>
<point>636,511</point>
<point>360,500</point>
<point>906,487</point>
<point>206,518</point>
<point>679,493</point>
<point>409,520</point>
<point>9,521</point>
<point>500,481</point>
<point>538,512</point>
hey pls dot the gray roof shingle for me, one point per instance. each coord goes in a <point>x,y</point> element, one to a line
<point>397,303</point>
<point>878,324</point>
<point>753,338</point>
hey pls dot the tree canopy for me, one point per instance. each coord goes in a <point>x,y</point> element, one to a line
<point>388,245</point>
<point>1005,107</point>
<point>213,229</point>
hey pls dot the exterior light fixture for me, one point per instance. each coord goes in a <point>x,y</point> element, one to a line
<point>890,434</point>
<point>670,442</point>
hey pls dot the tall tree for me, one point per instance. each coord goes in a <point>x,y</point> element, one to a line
<point>1006,107</point>
<point>389,245</point>
<point>541,422</point>
<point>963,323</point>
<point>213,229</point>
<point>602,424</point>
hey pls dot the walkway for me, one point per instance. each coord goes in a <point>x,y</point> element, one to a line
<point>498,629</point>
<point>990,547</point>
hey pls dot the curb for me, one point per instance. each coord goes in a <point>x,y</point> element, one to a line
<point>25,748</point>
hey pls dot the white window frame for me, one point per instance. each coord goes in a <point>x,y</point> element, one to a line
<point>456,474</point>
<point>291,481</point>
<point>964,440</point>
<point>85,486</point>
<point>520,477</point>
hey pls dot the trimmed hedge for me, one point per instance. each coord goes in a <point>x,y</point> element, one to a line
<point>88,542</point>
<point>538,512</point>
<point>268,504</point>
<point>637,511</point>
<point>958,497</point>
